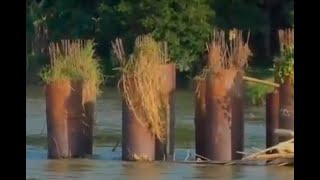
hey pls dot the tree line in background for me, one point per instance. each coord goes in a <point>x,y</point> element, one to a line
<point>185,25</point>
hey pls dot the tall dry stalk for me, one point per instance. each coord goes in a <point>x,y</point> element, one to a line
<point>228,54</point>
<point>286,38</point>
<point>224,53</point>
<point>141,81</point>
<point>284,64</point>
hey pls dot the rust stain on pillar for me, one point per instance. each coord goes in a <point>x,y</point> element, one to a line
<point>218,107</point>
<point>76,119</point>
<point>65,117</point>
<point>200,117</point>
<point>57,94</point>
<point>272,118</point>
<point>237,130</point>
<point>166,148</point>
<point>286,120</point>
<point>138,142</point>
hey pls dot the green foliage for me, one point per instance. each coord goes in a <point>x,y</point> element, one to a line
<point>292,18</point>
<point>35,60</point>
<point>61,70</point>
<point>185,25</point>
<point>65,19</point>
<point>285,65</point>
<point>239,14</point>
<point>261,73</point>
<point>289,10</point>
<point>29,25</point>
<point>256,94</point>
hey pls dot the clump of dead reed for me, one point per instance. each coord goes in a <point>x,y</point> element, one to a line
<point>227,53</point>
<point>141,81</point>
<point>286,39</point>
<point>283,153</point>
<point>285,62</point>
<point>74,60</point>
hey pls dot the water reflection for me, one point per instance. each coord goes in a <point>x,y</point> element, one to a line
<point>142,170</point>
<point>213,172</point>
<point>280,173</point>
<point>68,168</point>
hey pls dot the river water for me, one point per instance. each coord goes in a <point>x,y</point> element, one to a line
<point>106,164</point>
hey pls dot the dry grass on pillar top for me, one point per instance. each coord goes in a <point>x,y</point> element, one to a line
<point>227,55</point>
<point>285,62</point>
<point>141,81</point>
<point>286,38</point>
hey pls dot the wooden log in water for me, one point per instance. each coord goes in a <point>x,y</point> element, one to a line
<point>284,132</point>
<point>273,156</point>
<point>261,81</point>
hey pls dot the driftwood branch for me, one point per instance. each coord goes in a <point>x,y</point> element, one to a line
<point>273,156</point>
<point>284,132</point>
<point>116,145</point>
<point>198,155</point>
<point>260,81</point>
<point>187,157</point>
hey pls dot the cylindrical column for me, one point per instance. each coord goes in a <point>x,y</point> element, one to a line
<point>286,120</point>
<point>219,120</point>
<point>200,117</point>
<point>272,118</point>
<point>65,119</point>
<point>237,130</point>
<point>166,148</point>
<point>138,142</point>
<point>89,107</point>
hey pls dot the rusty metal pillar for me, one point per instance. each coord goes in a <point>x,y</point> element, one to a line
<point>65,119</point>
<point>138,142</point>
<point>200,117</point>
<point>89,107</point>
<point>165,150</point>
<point>272,118</point>
<point>286,120</point>
<point>237,130</point>
<point>218,108</point>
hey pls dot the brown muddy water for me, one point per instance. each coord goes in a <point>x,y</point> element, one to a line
<point>106,164</point>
